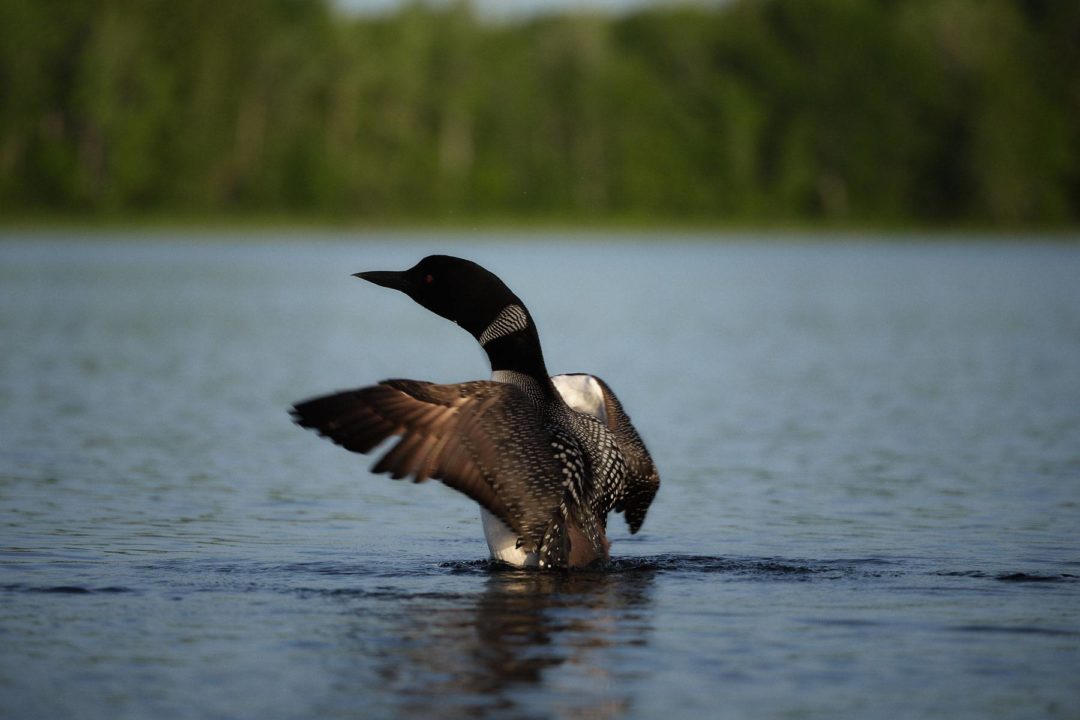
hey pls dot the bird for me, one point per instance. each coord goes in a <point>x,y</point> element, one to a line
<point>546,458</point>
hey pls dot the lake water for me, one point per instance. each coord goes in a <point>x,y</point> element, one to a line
<point>870,455</point>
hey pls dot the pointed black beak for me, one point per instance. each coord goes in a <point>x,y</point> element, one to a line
<point>387,278</point>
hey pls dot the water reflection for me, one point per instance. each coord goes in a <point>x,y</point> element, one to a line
<point>531,644</point>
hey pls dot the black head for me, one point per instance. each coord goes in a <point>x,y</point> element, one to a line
<point>458,290</point>
<point>477,300</point>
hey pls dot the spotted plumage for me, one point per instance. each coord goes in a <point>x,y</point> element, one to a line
<point>546,458</point>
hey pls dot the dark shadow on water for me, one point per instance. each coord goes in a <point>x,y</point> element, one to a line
<point>736,568</point>
<point>481,654</point>
<point>488,639</point>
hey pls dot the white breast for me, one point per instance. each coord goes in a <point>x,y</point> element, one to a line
<point>582,393</point>
<point>502,542</point>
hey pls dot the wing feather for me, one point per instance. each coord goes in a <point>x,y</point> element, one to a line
<point>642,479</point>
<point>456,433</point>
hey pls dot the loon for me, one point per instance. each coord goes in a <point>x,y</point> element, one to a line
<point>546,458</point>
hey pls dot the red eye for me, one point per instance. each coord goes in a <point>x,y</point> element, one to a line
<point>428,279</point>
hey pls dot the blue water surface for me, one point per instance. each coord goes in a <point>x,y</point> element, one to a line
<point>870,454</point>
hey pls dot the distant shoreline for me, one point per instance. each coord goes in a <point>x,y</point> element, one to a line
<point>257,227</point>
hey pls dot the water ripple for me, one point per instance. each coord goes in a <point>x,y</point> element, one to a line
<point>1012,577</point>
<point>63,589</point>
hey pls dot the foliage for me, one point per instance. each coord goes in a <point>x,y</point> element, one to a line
<point>925,111</point>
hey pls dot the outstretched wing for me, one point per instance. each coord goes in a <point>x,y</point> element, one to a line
<point>485,439</point>
<point>642,480</point>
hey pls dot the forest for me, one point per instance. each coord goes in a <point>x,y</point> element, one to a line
<point>873,112</point>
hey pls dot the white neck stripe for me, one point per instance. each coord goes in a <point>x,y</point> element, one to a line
<point>512,319</point>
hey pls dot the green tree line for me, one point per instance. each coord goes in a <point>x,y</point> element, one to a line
<point>898,111</point>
